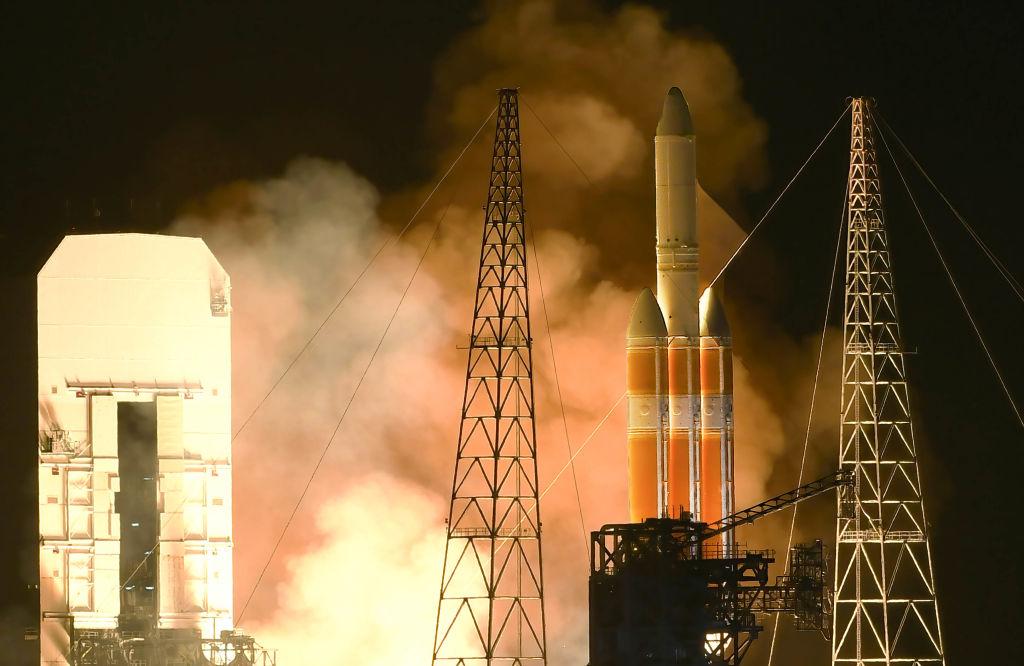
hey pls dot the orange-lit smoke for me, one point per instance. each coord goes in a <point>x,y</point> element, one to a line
<point>356,578</point>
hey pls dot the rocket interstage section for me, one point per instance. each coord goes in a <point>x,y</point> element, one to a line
<point>696,460</point>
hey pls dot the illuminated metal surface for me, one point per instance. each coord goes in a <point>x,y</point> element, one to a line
<point>491,606</point>
<point>885,607</point>
<point>839,479</point>
<point>133,324</point>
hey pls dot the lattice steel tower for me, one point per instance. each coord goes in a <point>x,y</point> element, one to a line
<point>491,607</point>
<point>885,607</point>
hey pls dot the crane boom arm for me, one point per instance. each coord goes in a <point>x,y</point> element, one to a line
<point>806,491</point>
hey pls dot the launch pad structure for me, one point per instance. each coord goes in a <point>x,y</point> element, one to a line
<point>91,647</point>
<point>665,591</point>
<point>134,453</point>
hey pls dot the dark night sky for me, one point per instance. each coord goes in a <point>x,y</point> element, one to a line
<point>163,104</point>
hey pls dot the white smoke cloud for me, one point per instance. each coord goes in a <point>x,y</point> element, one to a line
<point>349,601</point>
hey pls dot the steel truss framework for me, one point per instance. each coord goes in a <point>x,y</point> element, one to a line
<point>661,593</point>
<point>885,605</point>
<point>491,607</point>
<point>166,647</point>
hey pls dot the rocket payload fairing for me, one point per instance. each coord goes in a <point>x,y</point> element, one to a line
<point>679,354</point>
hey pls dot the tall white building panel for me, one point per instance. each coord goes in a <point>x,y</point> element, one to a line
<point>134,438</point>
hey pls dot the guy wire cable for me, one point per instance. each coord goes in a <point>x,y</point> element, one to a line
<point>785,189</point>
<point>956,287</point>
<point>344,412</point>
<point>810,411</point>
<point>337,305</point>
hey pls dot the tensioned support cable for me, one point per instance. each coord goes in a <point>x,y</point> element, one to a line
<point>344,413</point>
<point>768,212</point>
<point>559,144</point>
<point>586,441</point>
<point>956,288</point>
<point>779,198</point>
<point>810,411</point>
<point>1000,267</point>
<point>561,402</point>
<point>319,328</point>
<point>380,250</point>
<point>576,454</point>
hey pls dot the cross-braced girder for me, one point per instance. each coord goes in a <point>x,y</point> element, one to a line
<point>491,607</point>
<point>885,604</point>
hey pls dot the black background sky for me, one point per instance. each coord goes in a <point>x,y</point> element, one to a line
<point>161,104</point>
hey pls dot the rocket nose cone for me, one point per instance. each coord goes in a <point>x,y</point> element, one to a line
<point>646,321</point>
<point>713,321</point>
<point>675,115</point>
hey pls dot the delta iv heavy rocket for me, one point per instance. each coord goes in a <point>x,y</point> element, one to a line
<point>679,354</point>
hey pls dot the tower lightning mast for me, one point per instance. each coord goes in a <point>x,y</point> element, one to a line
<point>885,606</point>
<point>491,606</point>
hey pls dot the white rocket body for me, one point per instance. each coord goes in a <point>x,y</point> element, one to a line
<point>675,181</point>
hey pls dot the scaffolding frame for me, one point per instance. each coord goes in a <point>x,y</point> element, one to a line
<point>166,647</point>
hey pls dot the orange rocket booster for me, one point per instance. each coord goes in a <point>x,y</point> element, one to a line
<point>716,398</point>
<point>646,394</point>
